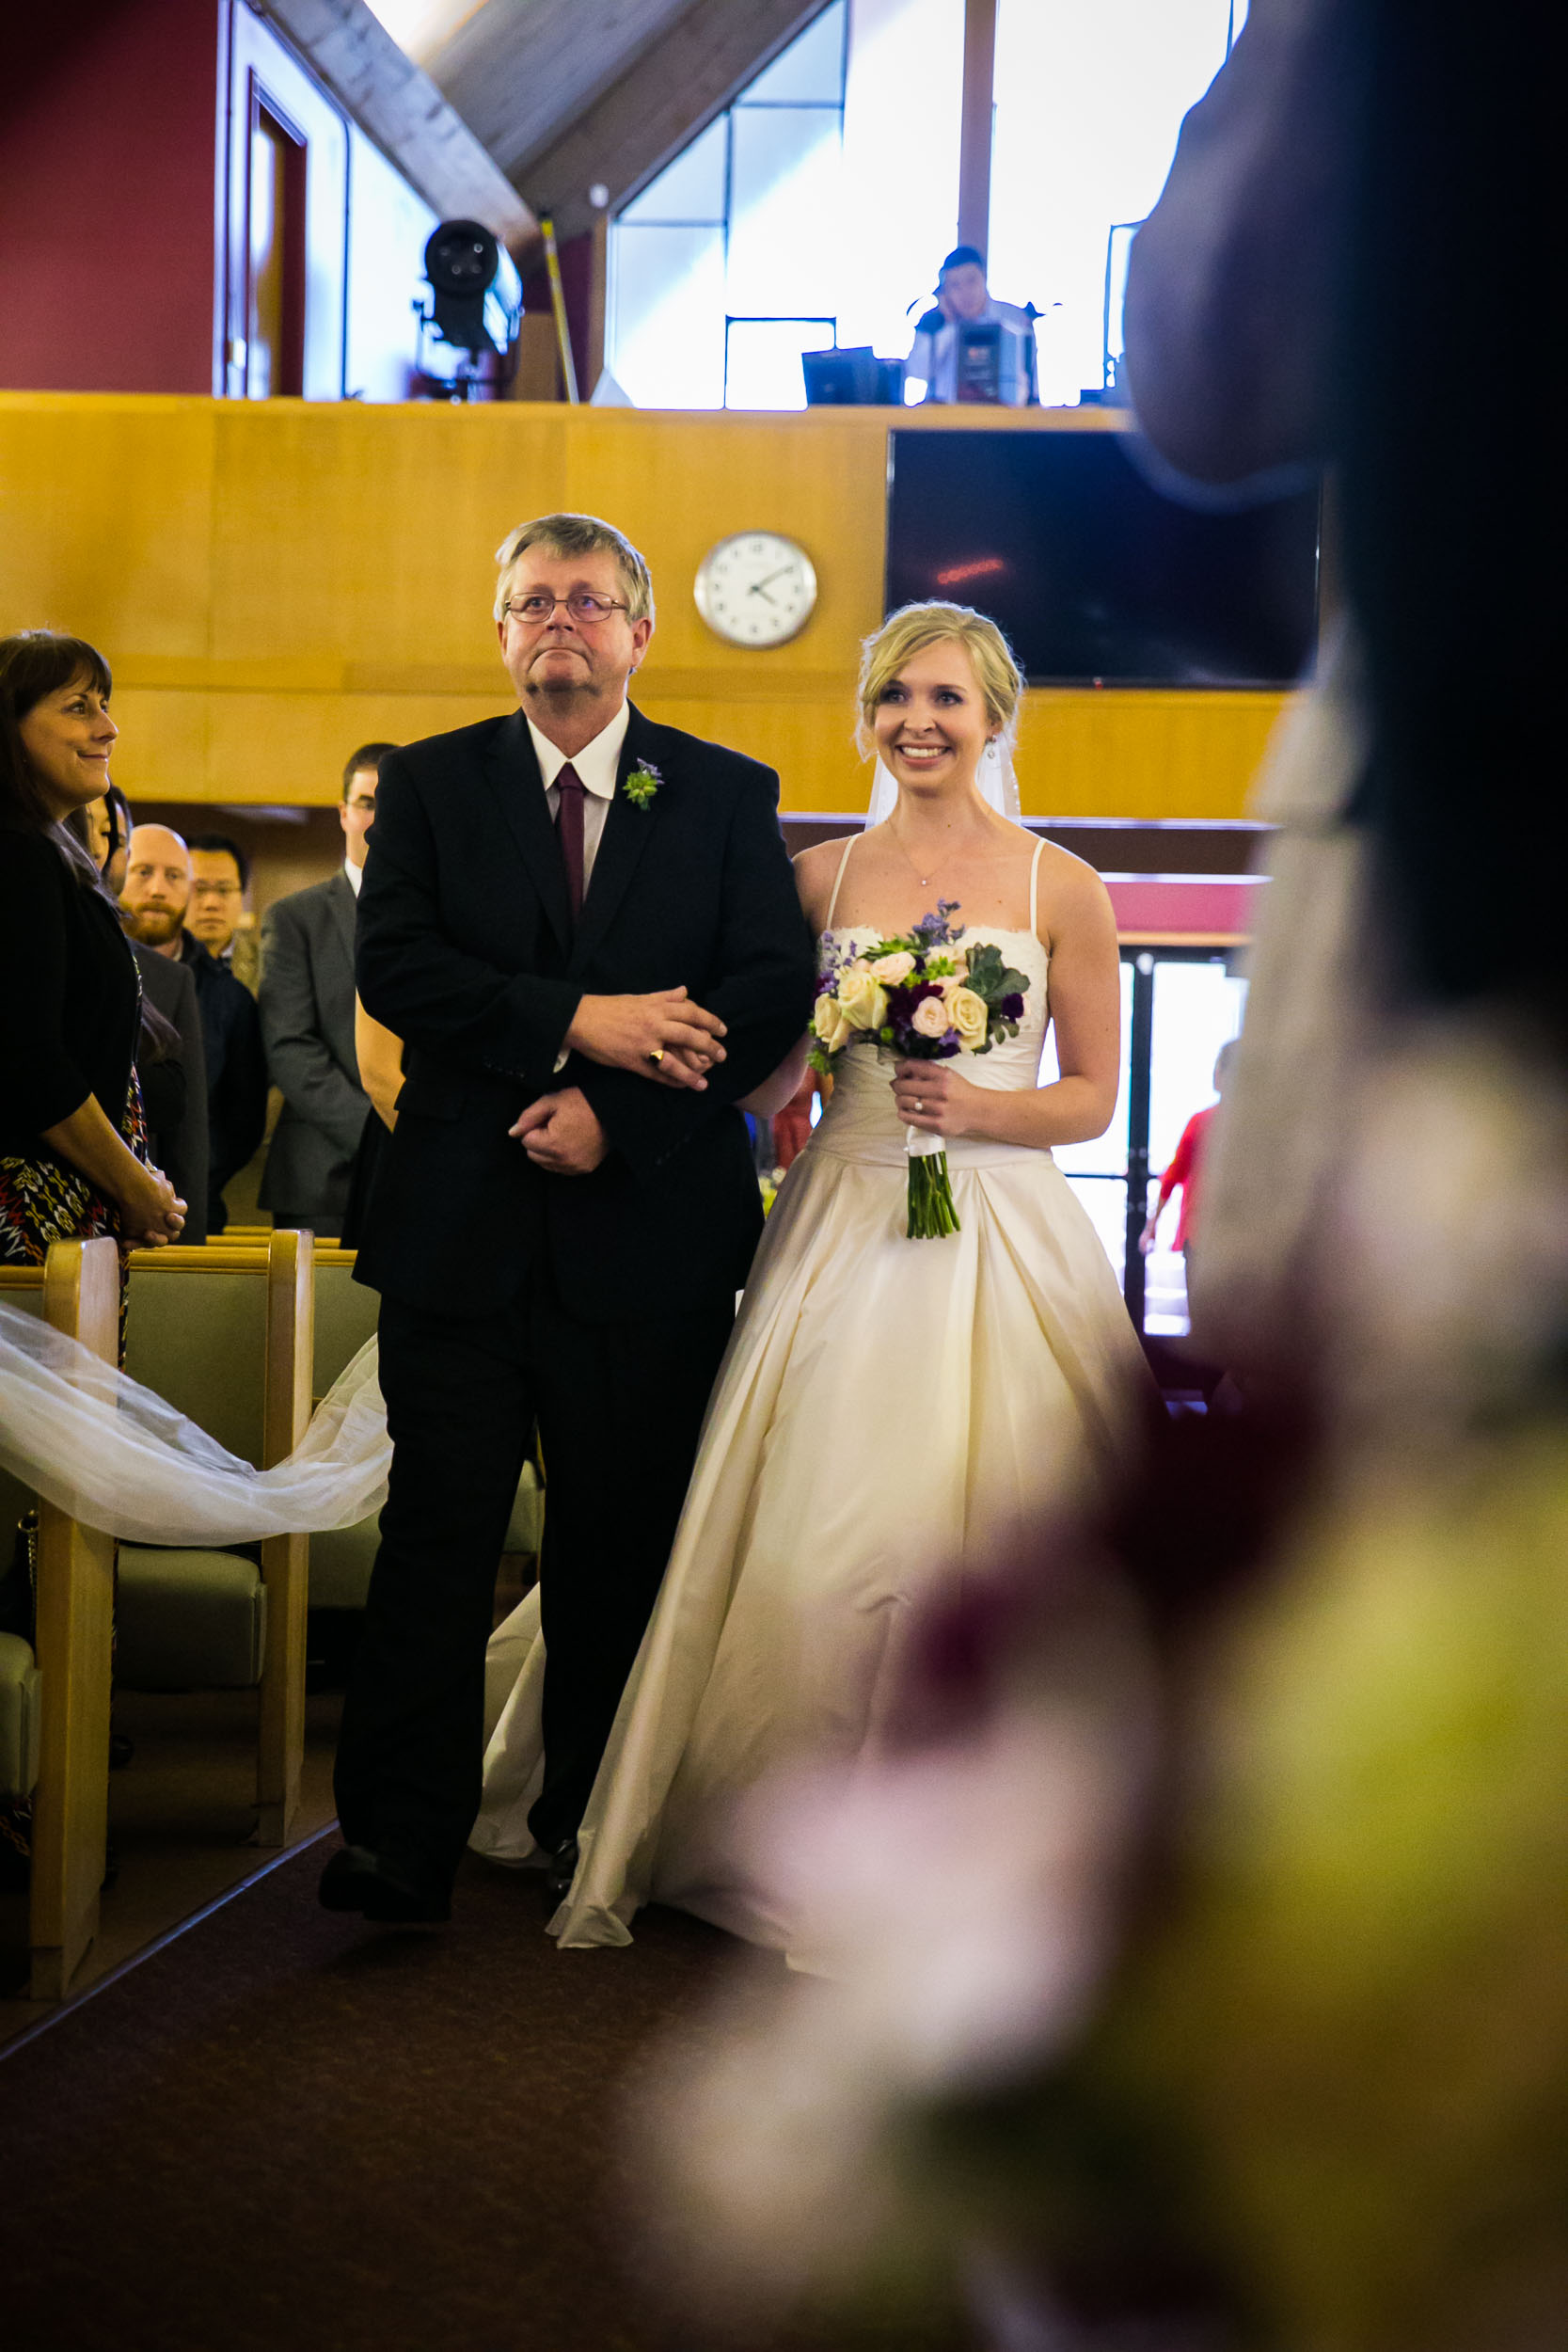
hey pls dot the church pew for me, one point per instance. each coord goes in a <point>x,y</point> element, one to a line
<point>77,1292</point>
<point>223,1333</point>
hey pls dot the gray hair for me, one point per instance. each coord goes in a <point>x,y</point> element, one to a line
<point>577,534</point>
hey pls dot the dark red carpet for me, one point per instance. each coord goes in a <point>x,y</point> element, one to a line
<point>289,2130</point>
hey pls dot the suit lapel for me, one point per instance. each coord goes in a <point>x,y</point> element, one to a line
<point>626,833</point>
<point>520,790</point>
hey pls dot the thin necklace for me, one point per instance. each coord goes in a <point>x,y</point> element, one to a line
<point>924,878</point>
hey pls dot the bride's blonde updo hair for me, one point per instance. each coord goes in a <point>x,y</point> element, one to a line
<point>913,628</point>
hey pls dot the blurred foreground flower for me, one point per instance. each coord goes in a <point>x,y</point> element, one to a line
<point>1303,2086</point>
<point>956,1908</point>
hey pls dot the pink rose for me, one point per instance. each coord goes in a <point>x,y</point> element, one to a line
<point>931,1017</point>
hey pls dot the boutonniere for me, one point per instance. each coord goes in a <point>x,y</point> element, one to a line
<point>643,785</point>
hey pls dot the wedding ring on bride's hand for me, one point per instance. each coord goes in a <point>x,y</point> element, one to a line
<point>918,1103</point>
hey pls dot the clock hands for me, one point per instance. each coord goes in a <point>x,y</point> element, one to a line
<point>759,587</point>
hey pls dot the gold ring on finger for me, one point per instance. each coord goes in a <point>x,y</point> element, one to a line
<point>657,1054</point>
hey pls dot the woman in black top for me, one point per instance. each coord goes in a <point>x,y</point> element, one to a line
<point>72,1147</point>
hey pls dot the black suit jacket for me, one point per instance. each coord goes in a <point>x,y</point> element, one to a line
<point>466,951</point>
<point>178,1137</point>
<point>236,1073</point>
<point>307,1008</point>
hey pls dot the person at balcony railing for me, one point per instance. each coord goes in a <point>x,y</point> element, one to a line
<point>952,360</point>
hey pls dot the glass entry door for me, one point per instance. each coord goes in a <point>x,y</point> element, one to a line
<point>1178,1007</point>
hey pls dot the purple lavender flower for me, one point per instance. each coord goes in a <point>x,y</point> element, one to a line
<point>934,931</point>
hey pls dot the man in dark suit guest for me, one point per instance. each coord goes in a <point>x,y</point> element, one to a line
<point>585,930</point>
<point>306,1000</point>
<point>153,903</point>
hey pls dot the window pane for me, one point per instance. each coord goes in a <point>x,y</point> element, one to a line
<point>785,214</point>
<point>811,68</point>
<point>765,360</point>
<point>670,316</point>
<point>691,188</point>
<point>900,204</point>
<point>1088,104</point>
<point>1196,1007</point>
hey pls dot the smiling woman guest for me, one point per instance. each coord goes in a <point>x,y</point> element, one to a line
<point>72,1145</point>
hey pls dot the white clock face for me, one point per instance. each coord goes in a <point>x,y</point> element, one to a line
<point>757,588</point>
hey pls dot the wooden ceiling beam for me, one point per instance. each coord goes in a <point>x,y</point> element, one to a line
<point>400,108</point>
<point>519,70</point>
<point>675,89</point>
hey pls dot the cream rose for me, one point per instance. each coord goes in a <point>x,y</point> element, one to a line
<point>863,999</point>
<point>889,970</point>
<point>829,1025</point>
<point>931,1017</point>
<point>966,1012</point>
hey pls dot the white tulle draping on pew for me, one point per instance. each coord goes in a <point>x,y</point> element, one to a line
<point>117,1457</point>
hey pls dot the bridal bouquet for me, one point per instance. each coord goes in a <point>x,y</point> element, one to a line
<point>924,997</point>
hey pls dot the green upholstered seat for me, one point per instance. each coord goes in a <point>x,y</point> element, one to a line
<point>196,1619</point>
<point>189,1620</point>
<point>19,1717</point>
<point>341,1560</point>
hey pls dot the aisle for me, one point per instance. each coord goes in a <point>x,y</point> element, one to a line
<point>286,2132</point>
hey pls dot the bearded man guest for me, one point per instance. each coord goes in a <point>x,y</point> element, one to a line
<point>154,903</point>
<point>584,928</point>
<point>306,1000</point>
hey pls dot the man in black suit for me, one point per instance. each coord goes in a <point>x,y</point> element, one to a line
<point>585,930</point>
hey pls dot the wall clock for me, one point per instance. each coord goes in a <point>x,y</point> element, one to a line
<point>757,588</point>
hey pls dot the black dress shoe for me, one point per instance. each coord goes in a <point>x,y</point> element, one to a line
<point>561,1868</point>
<point>356,1879</point>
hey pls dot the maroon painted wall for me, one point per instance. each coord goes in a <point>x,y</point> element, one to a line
<point>108,116</point>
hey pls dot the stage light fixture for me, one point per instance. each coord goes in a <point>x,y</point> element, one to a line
<point>476,293</point>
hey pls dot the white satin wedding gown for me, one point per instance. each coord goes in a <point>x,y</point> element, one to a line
<point>886,1410</point>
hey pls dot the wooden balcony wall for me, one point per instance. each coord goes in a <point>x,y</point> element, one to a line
<point>274,582</point>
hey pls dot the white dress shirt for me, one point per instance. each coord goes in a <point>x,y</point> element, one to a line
<point>597,765</point>
<point>356,874</point>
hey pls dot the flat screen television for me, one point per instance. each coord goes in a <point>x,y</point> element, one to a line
<point>1096,577</point>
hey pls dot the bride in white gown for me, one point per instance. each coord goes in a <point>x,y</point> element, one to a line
<point>888,1408</point>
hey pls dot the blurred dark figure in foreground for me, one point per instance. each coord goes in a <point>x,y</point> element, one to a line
<point>1200,1968</point>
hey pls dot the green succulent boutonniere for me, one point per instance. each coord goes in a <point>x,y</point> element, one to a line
<point>642,785</point>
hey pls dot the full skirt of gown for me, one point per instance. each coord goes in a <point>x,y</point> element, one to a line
<point>886,1412</point>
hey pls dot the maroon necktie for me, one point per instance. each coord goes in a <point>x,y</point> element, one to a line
<point>568,825</point>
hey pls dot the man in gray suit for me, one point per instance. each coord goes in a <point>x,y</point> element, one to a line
<point>307,1004</point>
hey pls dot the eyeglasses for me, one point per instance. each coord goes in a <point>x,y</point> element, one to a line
<point>580,604</point>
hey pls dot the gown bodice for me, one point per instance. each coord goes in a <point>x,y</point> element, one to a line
<point>859,1122</point>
